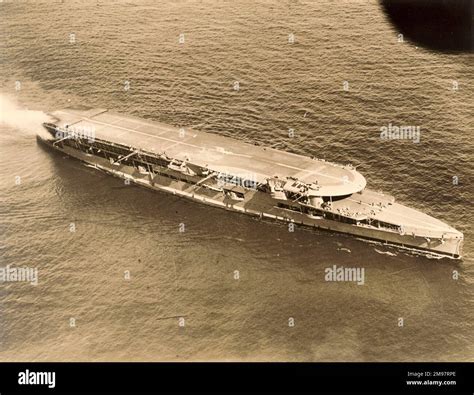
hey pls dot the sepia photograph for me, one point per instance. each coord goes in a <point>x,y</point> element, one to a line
<point>266,183</point>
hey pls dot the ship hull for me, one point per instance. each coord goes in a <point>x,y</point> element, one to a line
<point>259,204</point>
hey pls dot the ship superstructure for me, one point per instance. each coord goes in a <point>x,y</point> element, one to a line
<point>234,175</point>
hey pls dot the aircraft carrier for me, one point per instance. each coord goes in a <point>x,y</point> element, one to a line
<point>237,176</point>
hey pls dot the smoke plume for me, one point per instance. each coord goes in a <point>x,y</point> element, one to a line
<point>13,115</point>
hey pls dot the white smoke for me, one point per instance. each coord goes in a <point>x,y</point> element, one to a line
<point>13,115</point>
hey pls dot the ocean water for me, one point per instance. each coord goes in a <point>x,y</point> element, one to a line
<point>58,54</point>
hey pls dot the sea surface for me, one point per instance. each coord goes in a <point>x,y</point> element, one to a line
<point>117,280</point>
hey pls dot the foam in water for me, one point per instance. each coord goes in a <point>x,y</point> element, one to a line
<point>385,252</point>
<point>13,115</point>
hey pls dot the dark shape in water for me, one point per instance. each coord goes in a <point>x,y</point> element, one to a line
<point>443,25</point>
